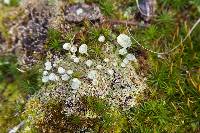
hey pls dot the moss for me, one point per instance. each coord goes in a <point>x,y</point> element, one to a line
<point>12,103</point>
<point>95,51</point>
<point>77,74</point>
<point>110,118</point>
<point>105,5</point>
<point>52,117</point>
<point>8,68</point>
<point>30,81</point>
<point>3,28</point>
<point>54,39</point>
<point>171,103</point>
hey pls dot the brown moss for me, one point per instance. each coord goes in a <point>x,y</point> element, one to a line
<point>56,121</point>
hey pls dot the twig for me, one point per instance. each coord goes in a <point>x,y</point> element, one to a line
<point>16,128</point>
<point>21,70</point>
<point>133,22</point>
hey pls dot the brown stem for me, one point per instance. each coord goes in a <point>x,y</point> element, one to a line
<point>132,22</point>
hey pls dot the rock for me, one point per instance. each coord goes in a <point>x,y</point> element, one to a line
<point>31,31</point>
<point>81,11</point>
<point>147,9</point>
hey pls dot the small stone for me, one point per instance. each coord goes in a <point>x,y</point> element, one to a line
<point>101,38</point>
<point>147,9</point>
<point>61,70</point>
<point>124,40</point>
<point>70,72</point>
<point>67,46</point>
<point>45,79</point>
<point>75,83</point>
<point>82,11</point>
<point>92,74</point>
<point>123,51</point>
<point>73,49</point>
<point>65,77</point>
<point>83,49</point>
<point>88,63</point>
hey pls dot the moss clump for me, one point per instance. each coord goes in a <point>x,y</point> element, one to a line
<point>54,39</point>
<point>171,102</point>
<point>53,118</point>
<point>100,117</point>
<point>110,119</point>
<point>78,74</point>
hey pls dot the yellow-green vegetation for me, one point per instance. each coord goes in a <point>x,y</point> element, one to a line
<point>110,118</point>
<point>3,29</point>
<point>170,103</point>
<point>99,116</point>
<point>15,87</point>
<point>6,16</point>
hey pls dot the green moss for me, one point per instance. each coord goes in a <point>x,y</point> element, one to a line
<point>95,48</point>
<point>30,81</point>
<point>54,39</point>
<point>12,103</point>
<point>171,102</point>
<point>14,2</point>
<point>110,118</point>
<point>151,116</point>
<point>77,74</point>
<point>107,6</point>
<point>95,51</point>
<point>8,68</point>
